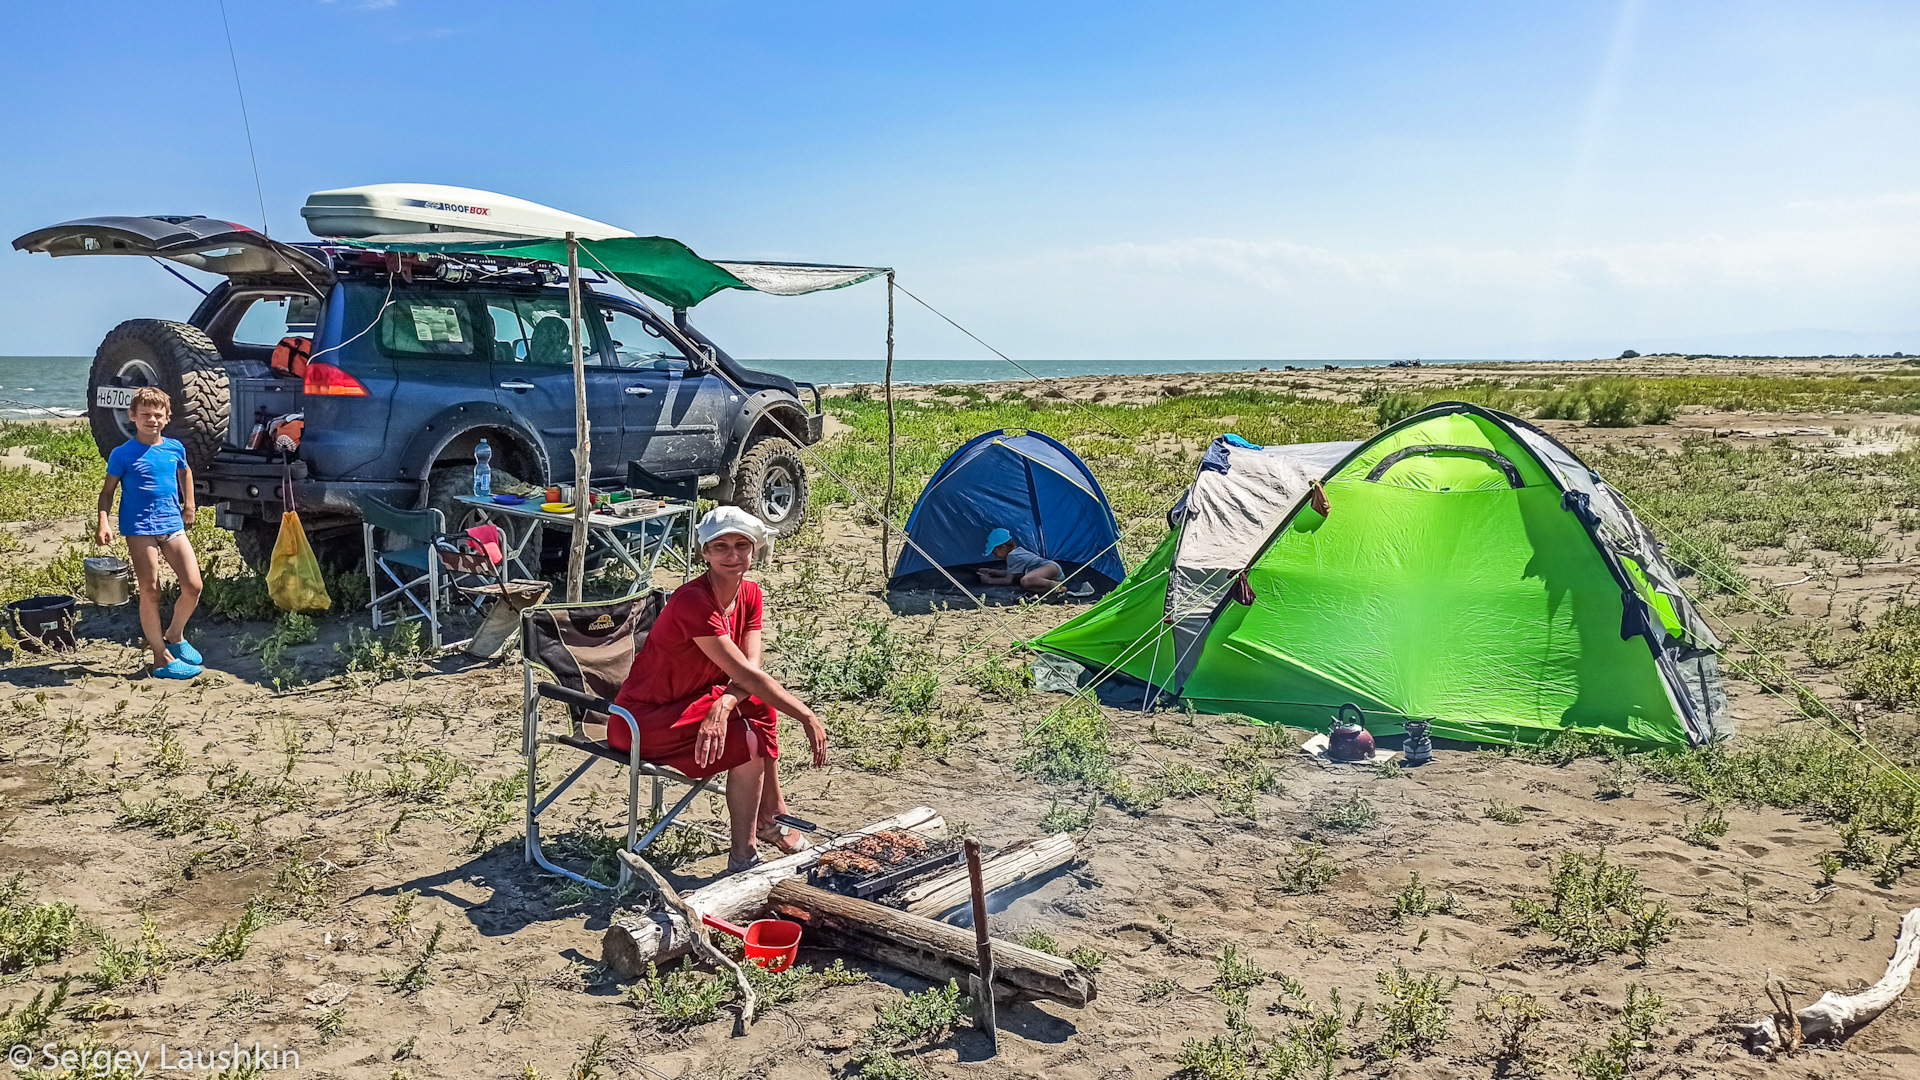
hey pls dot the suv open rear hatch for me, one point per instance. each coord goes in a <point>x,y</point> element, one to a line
<point>220,247</point>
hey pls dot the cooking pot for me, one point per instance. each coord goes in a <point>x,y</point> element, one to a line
<point>109,580</point>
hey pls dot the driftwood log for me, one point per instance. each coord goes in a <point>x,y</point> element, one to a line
<point>948,950</point>
<point>658,936</point>
<point>1835,1014</point>
<point>1008,866</point>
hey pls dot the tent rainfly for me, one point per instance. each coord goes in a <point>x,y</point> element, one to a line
<point>1028,484</point>
<point>1472,572</point>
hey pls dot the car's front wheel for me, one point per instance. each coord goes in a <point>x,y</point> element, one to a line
<point>771,484</point>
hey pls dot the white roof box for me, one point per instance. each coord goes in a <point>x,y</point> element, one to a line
<point>425,213</point>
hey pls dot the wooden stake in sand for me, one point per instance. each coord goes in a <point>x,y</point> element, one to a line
<point>631,944</point>
<point>1836,1014</point>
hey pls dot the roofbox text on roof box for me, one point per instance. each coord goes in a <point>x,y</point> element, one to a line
<point>442,212</point>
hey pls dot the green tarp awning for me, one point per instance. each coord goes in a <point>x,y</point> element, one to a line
<point>658,266</point>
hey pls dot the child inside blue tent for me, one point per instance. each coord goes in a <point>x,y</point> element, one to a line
<point>1032,572</point>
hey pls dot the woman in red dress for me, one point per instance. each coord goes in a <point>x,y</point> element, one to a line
<point>700,698</point>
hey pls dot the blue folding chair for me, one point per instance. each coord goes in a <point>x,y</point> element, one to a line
<point>406,576</point>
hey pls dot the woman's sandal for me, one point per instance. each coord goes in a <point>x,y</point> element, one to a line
<point>780,837</point>
<point>734,865</point>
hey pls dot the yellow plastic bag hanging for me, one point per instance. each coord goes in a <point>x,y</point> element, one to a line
<point>293,578</point>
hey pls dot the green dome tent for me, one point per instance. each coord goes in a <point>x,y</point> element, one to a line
<point>1471,572</point>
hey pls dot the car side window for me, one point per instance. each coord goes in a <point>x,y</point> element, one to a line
<point>549,332</point>
<point>639,343</point>
<point>267,319</point>
<point>429,324</point>
<point>509,335</point>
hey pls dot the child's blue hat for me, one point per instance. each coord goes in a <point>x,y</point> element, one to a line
<point>995,539</point>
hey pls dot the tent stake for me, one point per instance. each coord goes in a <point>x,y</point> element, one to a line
<point>582,447</point>
<point>886,505</point>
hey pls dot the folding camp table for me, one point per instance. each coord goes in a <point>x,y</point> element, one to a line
<point>637,542</point>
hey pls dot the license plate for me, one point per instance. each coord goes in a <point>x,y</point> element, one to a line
<point>113,397</point>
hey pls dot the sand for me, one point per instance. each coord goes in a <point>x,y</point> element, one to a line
<point>1162,892</point>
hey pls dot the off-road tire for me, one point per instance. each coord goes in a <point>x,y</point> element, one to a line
<point>254,539</point>
<point>179,359</point>
<point>338,546</point>
<point>771,484</point>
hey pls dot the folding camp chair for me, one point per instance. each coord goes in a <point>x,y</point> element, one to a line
<point>422,574</point>
<point>579,654</point>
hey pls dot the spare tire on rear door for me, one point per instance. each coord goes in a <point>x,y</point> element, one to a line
<point>179,359</point>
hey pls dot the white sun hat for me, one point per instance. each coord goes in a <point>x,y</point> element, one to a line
<point>722,520</point>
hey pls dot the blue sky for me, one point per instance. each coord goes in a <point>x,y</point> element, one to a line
<point>1277,180</point>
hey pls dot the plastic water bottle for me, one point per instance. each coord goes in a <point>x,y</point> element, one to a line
<point>483,471</point>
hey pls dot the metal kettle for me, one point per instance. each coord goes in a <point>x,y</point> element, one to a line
<point>1348,739</point>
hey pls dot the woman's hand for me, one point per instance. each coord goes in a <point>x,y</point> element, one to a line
<point>101,536</point>
<point>816,737</point>
<point>711,741</point>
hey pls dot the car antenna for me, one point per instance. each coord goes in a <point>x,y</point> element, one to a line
<point>245,123</point>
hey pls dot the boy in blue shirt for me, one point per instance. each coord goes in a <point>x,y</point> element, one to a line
<point>156,507</point>
<point>1032,572</point>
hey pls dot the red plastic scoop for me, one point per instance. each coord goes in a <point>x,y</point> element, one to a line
<point>771,943</point>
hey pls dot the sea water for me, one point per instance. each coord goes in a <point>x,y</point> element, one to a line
<point>57,385</point>
<point>43,386</point>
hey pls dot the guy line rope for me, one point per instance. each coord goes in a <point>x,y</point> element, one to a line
<point>1854,741</point>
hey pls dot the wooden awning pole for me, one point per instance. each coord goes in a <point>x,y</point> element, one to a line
<point>886,505</point>
<point>582,435</point>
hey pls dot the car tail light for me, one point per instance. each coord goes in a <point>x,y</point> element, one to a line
<point>326,380</point>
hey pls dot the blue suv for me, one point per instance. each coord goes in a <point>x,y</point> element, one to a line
<point>413,360</point>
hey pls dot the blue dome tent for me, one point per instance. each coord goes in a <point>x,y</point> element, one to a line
<point>1027,484</point>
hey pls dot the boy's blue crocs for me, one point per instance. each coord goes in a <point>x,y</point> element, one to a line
<point>178,669</point>
<point>182,650</point>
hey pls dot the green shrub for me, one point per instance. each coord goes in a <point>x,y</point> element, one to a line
<point>1615,1060</point>
<point>33,934</point>
<point>1612,403</point>
<point>1351,814</point>
<point>1072,743</point>
<point>1598,907</point>
<point>1417,1012</point>
<point>1307,869</point>
<point>1503,812</point>
<point>1417,900</point>
<point>1515,1019</point>
<point>230,942</point>
<point>682,998</point>
<point>1393,408</point>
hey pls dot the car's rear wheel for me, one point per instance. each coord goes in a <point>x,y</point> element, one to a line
<point>447,484</point>
<point>772,484</point>
<point>179,359</point>
<point>255,539</point>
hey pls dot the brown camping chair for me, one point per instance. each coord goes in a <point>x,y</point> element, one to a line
<point>578,655</point>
